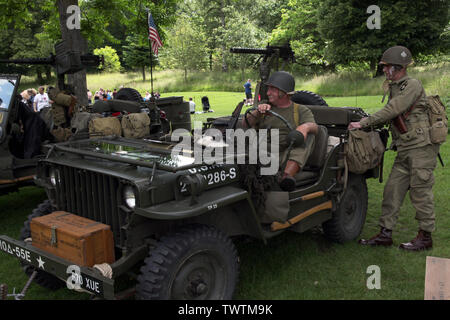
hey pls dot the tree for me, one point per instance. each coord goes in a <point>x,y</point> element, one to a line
<point>137,54</point>
<point>111,59</point>
<point>186,47</point>
<point>299,27</point>
<point>414,24</point>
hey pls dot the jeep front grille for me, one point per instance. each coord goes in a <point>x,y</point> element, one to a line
<point>92,195</point>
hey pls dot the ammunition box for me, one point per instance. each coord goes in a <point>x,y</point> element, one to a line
<point>76,239</point>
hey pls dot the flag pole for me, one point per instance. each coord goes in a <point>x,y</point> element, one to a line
<point>151,56</point>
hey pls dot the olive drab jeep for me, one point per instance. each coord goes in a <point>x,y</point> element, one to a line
<point>23,132</point>
<point>173,219</point>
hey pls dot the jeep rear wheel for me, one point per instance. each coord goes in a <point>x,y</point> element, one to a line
<point>348,219</point>
<point>42,278</point>
<point>196,262</point>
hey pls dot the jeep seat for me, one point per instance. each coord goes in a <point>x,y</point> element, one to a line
<point>316,160</point>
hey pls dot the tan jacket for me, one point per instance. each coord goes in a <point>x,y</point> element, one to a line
<point>402,95</point>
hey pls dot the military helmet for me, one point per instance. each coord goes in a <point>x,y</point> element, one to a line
<point>282,80</point>
<point>397,55</point>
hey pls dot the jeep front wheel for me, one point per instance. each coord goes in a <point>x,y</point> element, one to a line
<point>348,220</point>
<point>196,262</point>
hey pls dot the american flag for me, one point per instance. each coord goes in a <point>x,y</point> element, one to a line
<point>153,34</point>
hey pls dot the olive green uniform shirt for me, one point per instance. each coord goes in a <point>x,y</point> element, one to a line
<point>403,93</point>
<point>299,154</point>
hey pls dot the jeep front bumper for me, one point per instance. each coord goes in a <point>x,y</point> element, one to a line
<point>85,278</point>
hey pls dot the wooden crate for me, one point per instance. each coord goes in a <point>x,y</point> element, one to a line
<point>79,240</point>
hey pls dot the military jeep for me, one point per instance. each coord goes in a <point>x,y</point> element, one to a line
<point>174,220</point>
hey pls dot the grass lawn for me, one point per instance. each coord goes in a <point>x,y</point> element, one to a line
<point>291,266</point>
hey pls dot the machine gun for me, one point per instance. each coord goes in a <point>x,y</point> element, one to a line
<point>64,61</point>
<point>270,58</point>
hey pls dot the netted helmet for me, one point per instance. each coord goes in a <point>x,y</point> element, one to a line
<point>398,55</point>
<point>282,80</point>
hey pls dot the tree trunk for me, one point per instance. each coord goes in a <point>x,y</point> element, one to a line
<point>39,76</point>
<point>74,42</point>
<point>48,73</point>
<point>143,73</point>
<point>222,20</point>
<point>185,75</point>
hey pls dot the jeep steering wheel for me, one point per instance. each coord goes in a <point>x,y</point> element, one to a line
<point>286,123</point>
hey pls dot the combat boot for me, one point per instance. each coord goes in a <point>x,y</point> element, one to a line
<point>422,241</point>
<point>384,238</point>
<point>287,182</point>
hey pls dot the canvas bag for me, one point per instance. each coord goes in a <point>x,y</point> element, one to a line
<point>80,121</point>
<point>438,119</point>
<point>136,125</point>
<point>105,126</point>
<point>363,151</point>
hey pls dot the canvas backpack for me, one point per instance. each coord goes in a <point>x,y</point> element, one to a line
<point>363,151</point>
<point>136,125</point>
<point>438,119</point>
<point>105,126</point>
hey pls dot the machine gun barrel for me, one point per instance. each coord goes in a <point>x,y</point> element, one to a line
<point>38,61</point>
<point>251,50</point>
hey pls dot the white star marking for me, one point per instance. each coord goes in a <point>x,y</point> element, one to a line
<point>41,262</point>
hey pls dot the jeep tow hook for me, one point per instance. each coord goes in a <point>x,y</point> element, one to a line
<point>17,296</point>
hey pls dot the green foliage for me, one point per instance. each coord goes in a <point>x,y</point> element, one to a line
<point>298,27</point>
<point>112,63</point>
<point>186,47</point>
<point>414,24</point>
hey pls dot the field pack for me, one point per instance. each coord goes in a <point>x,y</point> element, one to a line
<point>364,150</point>
<point>136,125</point>
<point>105,126</point>
<point>438,119</point>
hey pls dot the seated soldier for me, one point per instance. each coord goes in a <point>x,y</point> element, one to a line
<point>280,86</point>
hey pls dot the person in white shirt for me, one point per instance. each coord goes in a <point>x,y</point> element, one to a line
<point>41,100</point>
<point>191,105</point>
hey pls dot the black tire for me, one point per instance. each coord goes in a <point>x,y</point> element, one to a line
<point>348,219</point>
<point>308,98</point>
<point>129,94</point>
<point>196,262</point>
<point>42,278</point>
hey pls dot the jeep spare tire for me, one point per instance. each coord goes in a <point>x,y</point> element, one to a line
<point>129,94</point>
<point>308,98</point>
<point>196,262</point>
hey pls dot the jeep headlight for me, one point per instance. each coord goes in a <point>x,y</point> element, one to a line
<point>129,196</point>
<point>54,176</point>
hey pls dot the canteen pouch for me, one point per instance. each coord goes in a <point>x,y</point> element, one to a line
<point>136,125</point>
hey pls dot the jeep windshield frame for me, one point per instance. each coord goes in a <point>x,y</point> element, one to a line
<point>143,153</point>
<point>9,84</point>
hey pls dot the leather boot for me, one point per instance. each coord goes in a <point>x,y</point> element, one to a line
<point>287,182</point>
<point>384,238</point>
<point>421,242</point>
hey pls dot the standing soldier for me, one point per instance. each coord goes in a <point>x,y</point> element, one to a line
<point>406,111</point>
